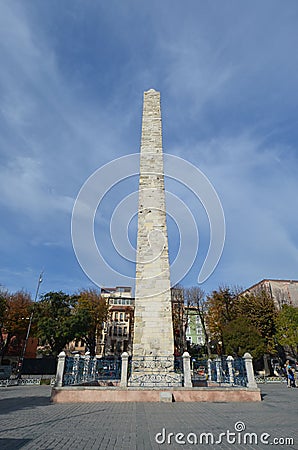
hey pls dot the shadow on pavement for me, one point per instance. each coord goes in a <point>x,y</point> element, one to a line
<point>8,405</point>
<point>50,421</point>
<point>13,444</point>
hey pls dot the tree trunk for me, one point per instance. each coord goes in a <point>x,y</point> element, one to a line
<point>5,346</point>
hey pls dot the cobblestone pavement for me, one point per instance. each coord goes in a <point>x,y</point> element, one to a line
<point>29,421</point>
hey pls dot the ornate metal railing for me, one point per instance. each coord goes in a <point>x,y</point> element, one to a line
<point>154,371</point>
<point>239,370</point>
<point>178,364</point>
<point>83,370</point>
<point>224,370</point>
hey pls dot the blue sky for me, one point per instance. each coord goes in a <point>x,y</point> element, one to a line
<point>71,84</point>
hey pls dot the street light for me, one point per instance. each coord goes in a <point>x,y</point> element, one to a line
<point>21,361</point>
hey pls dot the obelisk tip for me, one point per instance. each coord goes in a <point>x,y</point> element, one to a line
<point>150,91</point>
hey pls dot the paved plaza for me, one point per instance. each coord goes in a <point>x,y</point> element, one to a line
<point>29,421</point>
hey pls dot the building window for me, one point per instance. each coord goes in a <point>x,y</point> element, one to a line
<point>115,331</point>
<point>116,315</point>
<point>121,317</point>
<point>119,331</point>
<point>125,331</point>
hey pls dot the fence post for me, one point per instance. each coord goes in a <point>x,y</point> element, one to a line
<point>124,369</point>
<point>86,366</point>
<point>230,360</point>
<point>75,368</point>
<point>60,369</point>
<point>218,369</point>
<point>186,369</point>
<point>209,362</point>
<point>93,368</point>
<point>251,382</point>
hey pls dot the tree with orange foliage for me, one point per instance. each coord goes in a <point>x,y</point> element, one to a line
<point>15,310</point>
<point>221,310</point>
<point>230,311</point>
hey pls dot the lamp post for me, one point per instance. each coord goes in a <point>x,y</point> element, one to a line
<point>21,361</point>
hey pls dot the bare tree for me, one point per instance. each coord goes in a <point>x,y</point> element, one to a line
<point>178,310</point>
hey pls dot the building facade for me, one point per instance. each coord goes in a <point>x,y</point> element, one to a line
<point>281,291</point>
<point>117,333</point>
<point>194,330</point>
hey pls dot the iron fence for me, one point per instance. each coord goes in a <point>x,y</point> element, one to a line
<point>80,370</point>
<point>153,371</point>
<point>218,371</point>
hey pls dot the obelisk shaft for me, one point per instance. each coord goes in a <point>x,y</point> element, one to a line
<point>153,329</point>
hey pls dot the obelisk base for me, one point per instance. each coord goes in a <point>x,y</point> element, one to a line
<point>154,372</point>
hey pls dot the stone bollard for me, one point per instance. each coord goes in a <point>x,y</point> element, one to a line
<point>218,369</point>
<point>124,369</point>
<point>230,360</point>
<point>60,369</point>
<point>251,382</point>
<point>186,369</point>
<point>93,368</point>
<point>209,362</point>
<point>75,368</point>
<point>86,366</point>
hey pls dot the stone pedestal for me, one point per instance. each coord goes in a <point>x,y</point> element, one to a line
<point>154,371</point>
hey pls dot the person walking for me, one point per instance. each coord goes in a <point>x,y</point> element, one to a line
<point>290,374</point>
<point>291,377</point>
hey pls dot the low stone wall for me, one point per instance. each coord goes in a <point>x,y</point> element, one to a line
<point>92,394</point>
<point>218,395</point>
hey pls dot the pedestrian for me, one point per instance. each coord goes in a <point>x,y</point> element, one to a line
<point>287,367</point>
<point>291,377</point>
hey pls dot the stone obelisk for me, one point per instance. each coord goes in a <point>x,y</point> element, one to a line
<point>153,342</point>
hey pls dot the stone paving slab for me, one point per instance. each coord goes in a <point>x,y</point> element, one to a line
<point>29,421</point>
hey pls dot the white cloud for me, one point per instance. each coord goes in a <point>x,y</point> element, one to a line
<point>71,101</point>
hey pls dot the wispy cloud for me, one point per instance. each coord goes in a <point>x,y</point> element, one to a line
<point>71,90</point>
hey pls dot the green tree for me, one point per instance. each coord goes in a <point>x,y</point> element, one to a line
<point>259,310</point>
<point>89,315</point>
<point>54,318</point>
<point>287,329</point>
<point>240,337</point>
